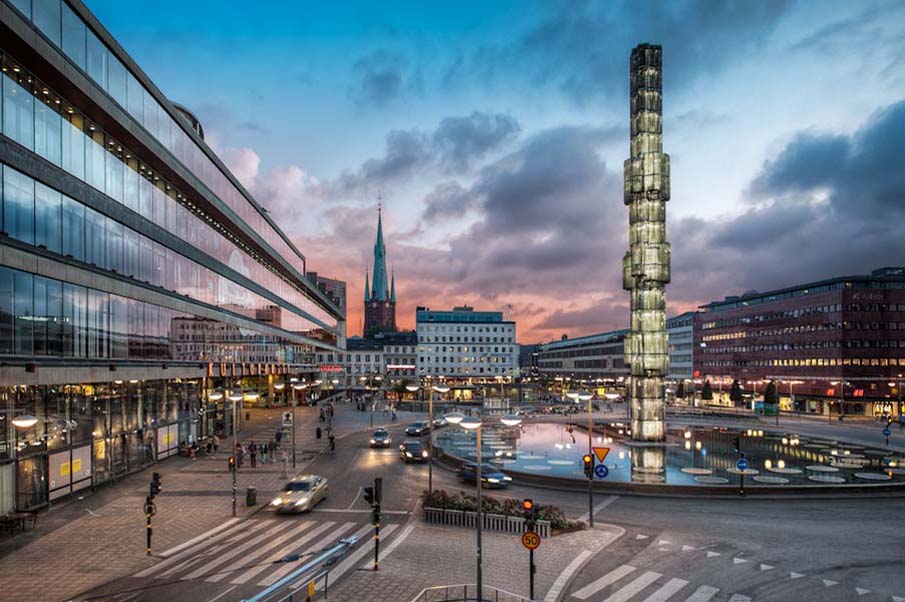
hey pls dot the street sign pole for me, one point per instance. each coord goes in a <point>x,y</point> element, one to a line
<point>591,499</point>
<point>531,540</point>
<point>148,510</point>
<point>531,570</point>
<point>742,466</point>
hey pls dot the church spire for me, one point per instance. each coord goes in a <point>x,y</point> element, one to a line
<point>367,288</point>
<point>380,292</point>
<point>393,287</point>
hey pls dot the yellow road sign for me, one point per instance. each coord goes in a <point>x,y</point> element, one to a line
<point>601,453</point>
<point>530,540</point>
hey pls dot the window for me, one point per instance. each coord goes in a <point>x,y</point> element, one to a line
<point>73,229</point>
<point>6,310</point>
<point>73,142</point>
<point>48,132</point>
<point>116,80</point>
<point>73,36</point>
<point>19,206</point>
<point>97,60</point>
<point>18,113</point>
<point>48,218</point>
<point>23,312</point>
<point>47,18</point>
<point>94,237</point>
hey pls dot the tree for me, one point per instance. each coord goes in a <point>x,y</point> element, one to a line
<point>680,390</point>
<point>770,396</point>
<point>707,392</point>
<point>735,393</point>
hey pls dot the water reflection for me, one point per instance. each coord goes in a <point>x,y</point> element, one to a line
<point>649,464</point>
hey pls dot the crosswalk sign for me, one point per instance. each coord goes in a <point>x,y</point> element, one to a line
<point>287,418</point>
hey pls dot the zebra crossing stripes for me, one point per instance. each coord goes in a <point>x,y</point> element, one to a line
<point>187,552</point>
<point>666,592</point>
<point>285,551</point>
<point>234,550</point>
<point>254,554</point>
<point>635,587</point>
<point>329,539</point>
<point>608,579</point>
<point>702,594</point>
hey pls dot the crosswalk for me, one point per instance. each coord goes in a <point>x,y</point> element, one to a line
<point>249,552</point>
<point>629,583</point>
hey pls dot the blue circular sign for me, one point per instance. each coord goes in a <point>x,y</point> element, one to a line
<point>601,471</point>
<point>742,464</point>
<point>886,432</point>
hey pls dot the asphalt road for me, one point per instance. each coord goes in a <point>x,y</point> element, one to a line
<point>674,549</point>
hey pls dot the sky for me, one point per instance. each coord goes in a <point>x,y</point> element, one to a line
<point>495,133</point>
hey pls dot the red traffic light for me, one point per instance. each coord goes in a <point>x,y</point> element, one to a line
<point>527,504</point>
<point>587,459</point>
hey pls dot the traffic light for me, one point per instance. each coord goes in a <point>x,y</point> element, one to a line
<point>378,490</point>
<point>155,487</point>
<point>737,444</point>
<point>232,463</point>
<point>528,507</point>
<point>588,461</point>
<point>369,496</point>
<point>530,514</point>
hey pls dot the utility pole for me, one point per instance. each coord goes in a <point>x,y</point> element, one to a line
<point>372,497</point>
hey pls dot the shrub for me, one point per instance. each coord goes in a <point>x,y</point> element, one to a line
<point>494,505</point>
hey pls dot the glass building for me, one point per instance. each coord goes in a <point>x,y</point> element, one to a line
<point>141,286</point>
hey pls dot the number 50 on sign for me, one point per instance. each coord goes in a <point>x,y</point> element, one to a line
<point>530,540</point>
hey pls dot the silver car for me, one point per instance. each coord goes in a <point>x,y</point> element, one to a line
<point>301,494</point>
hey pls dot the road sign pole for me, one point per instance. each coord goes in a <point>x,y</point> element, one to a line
<point>743,468</point>
<point>531,574</point>
<point>591,499</point>
<point>148,525</point>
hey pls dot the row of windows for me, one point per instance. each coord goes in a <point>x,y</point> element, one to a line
<point>610,349</point>
<point>64,28</point>
<point>38,215</point>
<point>443,339</point>
<point>449,371</point>
<point>828,361</point>
<point>798,313</point>
<point>46,317</point>
<point>460,349</point>
<point>35,117</point>
<point>835,344</point>
<point>459,359</point>
<point>460,328</point>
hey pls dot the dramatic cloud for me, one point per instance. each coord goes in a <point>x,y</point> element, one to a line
<point>461,140</point>
<point>379,79</point>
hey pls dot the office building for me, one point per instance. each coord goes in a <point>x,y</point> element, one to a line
<point>823,344</point>
<point>586,362</point>
<point>139,281</point>
<point>680,342</point>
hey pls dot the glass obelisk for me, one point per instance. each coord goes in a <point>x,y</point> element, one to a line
<point>645,268</point>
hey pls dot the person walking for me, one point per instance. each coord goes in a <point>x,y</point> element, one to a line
<point>216,441</point>
<point>263,453</point>
<point>332,443</point>
<point>253,453</point>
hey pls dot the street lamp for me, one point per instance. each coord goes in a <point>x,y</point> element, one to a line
<point>297,387</point>
<point>235,398</point>
<point>841,384</point>
<point>473,423</point>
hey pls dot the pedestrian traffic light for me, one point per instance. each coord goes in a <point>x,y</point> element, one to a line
<point>378,490</point>
<point>369,496</point>
<point>232,463</point>
<point>588,461</point>
<point>155,487</point>
<point>737,444</point>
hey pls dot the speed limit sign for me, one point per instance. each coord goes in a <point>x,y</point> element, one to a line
<point>530,540</point>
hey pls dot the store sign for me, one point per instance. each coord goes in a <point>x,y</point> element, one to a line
<point>330,368</point>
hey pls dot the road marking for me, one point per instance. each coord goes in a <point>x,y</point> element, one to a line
<point>738,561</point>
<point>357,495</point>
<point>197,547</point>
<point>795,575</point>
<point>712,554</point>
<point>257,552</point>
<point>195,540</point>
<point>861,591</point>
<point>702,594</point>
<point>560,582</point>
<point>898,599</point>
<point>666,592</point>
<point>634,588</point>
<point>639,536</point>
<point>766,567</point>
<point>688,548</point>
<point>406,531</point>
<point>739,598</point>
<point>608,579</point>
<point>327,540</point>
<point>338,510</point>
<point>290,548</point>
<point>220,595</point>
<point>585,518</point>
<point>233,552</point>
<point>663,542</point>
<point>829,583</point>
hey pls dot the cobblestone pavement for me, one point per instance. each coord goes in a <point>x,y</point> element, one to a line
<point>100,536</point>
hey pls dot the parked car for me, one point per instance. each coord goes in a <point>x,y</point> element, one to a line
<point>417,429</point>
<point>413,451</point>
<point>301,494</point>
<point>381,438</point>
<point>491,476</point>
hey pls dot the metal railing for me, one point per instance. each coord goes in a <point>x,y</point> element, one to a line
<point>492,522</point>
<point>467,592</point>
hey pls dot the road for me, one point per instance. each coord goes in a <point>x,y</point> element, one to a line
<point>673,549</point>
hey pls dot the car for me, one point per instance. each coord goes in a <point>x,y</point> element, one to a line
<point>417,429</point>
<point>413,451</point>
<point>440,422</point>
<point>491,476</point>
<point>301,494</point>
<point>381,438</point>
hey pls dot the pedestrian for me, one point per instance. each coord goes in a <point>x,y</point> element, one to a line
<point>216,442</point>
<point>317,432</point>
<point>332,443</point>
<point>279,437</point>
<point>253,453</point>
<point>263,449</point>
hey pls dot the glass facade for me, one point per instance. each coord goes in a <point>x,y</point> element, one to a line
<point>36,117</point>
<point>66,29</point>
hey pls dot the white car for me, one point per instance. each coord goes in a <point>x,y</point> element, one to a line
<point>301,494</point>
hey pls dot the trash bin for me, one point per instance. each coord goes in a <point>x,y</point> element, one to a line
<point>251,496</point>
<point>317,432</point>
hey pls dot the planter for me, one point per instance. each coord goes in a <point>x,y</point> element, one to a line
<point>492,522</point>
